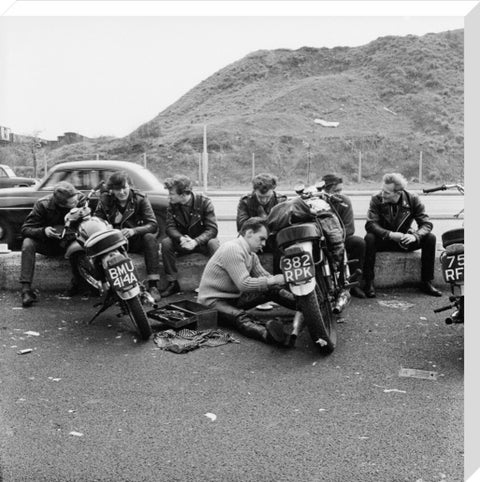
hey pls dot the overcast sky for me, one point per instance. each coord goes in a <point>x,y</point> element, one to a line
<point>108,75</point>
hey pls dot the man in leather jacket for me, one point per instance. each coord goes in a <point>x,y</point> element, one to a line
<point>259,203</point>
<point>41,233</point>
<point>191,228</point>
<point>389,228</point>
<point>130,211</point>
<point>354,245</point>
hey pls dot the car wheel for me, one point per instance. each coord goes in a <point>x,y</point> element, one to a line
<point>6,232</point>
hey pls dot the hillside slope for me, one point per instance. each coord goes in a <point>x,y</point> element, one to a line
<point>393,98</point>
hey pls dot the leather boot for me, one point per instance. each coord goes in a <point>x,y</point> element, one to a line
<point>369,289</point>
<point>172,289</point>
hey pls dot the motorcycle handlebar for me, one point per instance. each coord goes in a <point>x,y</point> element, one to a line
<point>443,187</point>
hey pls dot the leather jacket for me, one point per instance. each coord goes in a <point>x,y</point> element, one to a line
<point>381,221</point>
<point>138,214</point>
<point>201,224</point>
<point>249,207</point>
<point>45,213</point>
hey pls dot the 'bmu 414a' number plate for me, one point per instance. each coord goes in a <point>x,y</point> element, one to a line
<point>122,275</point>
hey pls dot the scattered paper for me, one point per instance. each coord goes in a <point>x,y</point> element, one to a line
<point>400,305</point>
<point>325,123</point>
<point>32,333</point>
<point>211,416</point>
<point>76,434</point>
<point>414,373</point>
<point>388,390</point>
<point>24,352</point>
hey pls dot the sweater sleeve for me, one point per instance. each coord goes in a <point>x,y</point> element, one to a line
<point>236,266</point>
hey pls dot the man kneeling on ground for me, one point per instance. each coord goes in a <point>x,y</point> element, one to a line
<point>234,281</point>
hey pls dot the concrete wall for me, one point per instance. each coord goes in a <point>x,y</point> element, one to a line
<point>392,269</point>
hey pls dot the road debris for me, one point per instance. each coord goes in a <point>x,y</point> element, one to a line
<point>76,434</point>
<point>25,351</point>
<point>54,379</point>
<point>414,373</point>
<point>399,305</point>
<point>325,123</point>
<point>211,416</point>
<point>31,333</point>
<point>388,390</point>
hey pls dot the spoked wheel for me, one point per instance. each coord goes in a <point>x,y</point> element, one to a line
<point>89,272</point>
<point>319,318</point>
<point>138,316</point>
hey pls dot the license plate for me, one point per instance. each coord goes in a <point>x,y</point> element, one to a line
<point>453,267</point>
<point>122,275</point>
<point>298,268</point>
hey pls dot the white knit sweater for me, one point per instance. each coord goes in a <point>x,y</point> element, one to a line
<point>232,270</point>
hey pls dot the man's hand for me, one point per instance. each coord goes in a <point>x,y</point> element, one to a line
<point>51,232</point>
<point>277,280</point>
<point>396,236</point>
<point>128,232</point>
<point>408,239</point>
<point>186,242</point>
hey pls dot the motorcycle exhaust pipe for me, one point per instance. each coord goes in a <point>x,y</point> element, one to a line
<point>343,299</point>
<point>298,322</point>
<point>454,318</point>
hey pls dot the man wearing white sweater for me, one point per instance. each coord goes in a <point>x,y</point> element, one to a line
<point>234,281</point>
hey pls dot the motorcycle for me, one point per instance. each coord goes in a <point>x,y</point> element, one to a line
<point>104,264</point>
<point>452,260</point>
<point>318,278</point>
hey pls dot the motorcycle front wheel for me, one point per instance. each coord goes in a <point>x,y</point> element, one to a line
<point>319,318</point>
<point>138,316</point>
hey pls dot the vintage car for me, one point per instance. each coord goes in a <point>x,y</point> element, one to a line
<point>16,203</point>
<point>8,178</point>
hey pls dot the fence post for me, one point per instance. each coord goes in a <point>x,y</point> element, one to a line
<point>253,165</point>
<point>144,159</point>
<point>420,168</point>
<point>359,166</point>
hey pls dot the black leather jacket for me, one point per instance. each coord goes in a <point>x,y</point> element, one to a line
<point>249,207</point>
<point>138,214</point>
<point>45,213</point>
<point>380,219</point>
<point>201,224</point>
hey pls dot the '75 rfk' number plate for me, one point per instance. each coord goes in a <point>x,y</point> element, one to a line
<point>298,268</point>
<point>122,276</point>
<point>453,267</point>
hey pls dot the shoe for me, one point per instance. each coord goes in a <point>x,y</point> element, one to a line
<point>369,290</point>
<point>357,292</point>
<point>172,289</point>
<point>28,298</point>
<point>275,333</point>
<point>429,289</point>
<point>155,293</point>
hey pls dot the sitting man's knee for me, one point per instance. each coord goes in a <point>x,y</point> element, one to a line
<point>28,244</point>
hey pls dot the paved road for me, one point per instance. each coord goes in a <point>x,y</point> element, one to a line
<point>281,415</point>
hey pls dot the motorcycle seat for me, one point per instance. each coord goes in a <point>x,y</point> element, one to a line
<point>104,241</point>
<point>297,232</point>
<point>453,236</point>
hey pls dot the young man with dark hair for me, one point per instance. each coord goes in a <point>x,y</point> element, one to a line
<point>130,211</point>
<point>191,228</point>
<point>259,203</point>
<point>354,245</point>
<point>41,233</point>
<point>234,281</point>
<point>389,220</point>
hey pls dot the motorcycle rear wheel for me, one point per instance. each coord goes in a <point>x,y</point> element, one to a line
<point>139,317</point>
<point>319,318</point>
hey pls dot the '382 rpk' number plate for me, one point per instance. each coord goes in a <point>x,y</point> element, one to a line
<point>298,268</point>
<point>122,275</point>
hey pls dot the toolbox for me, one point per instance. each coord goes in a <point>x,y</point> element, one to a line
<point>185,314</point>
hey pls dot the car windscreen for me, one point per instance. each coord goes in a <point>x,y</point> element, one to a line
<point>83,180</point>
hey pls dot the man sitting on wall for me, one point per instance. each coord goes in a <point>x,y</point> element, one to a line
<point>191,228</point>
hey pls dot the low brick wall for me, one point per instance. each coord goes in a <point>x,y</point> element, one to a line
<point>392,269</point>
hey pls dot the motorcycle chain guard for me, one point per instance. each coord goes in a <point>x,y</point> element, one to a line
<point>104,241</point>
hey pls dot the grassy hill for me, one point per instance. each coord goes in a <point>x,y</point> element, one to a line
<point>393,98</point>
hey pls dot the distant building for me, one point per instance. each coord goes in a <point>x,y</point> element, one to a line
<point>6,135</point>
<point>70,138</point>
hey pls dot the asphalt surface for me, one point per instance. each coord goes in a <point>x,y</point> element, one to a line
<point>93,403</point>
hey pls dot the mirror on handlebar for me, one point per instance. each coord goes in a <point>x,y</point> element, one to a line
<point>299,188</point>
<point>319,185</point>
